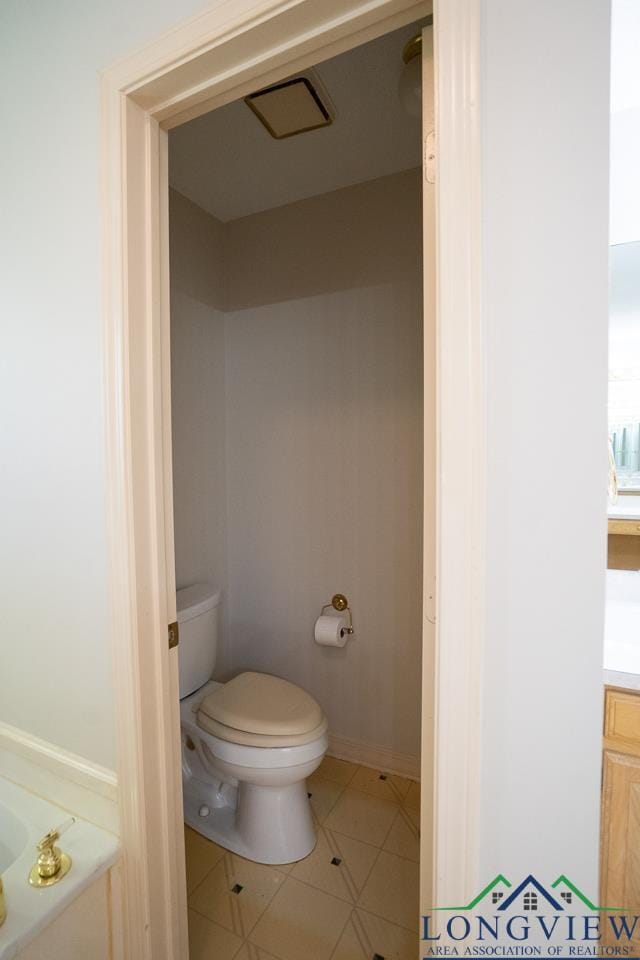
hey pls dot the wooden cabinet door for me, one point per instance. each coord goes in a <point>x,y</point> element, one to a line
<point>620,847</point>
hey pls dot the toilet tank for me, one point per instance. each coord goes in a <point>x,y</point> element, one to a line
<point>197,607</point>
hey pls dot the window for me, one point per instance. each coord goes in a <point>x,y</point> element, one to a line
<point>531,901</point>
<point>496,896</point>
<point>566,896</point>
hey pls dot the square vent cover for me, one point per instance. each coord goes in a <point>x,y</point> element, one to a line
<point>290,107</point>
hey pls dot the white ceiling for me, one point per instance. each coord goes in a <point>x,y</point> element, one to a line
<point>227,163</point>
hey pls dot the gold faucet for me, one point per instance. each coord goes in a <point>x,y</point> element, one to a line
<point>52,864</point>
<point>3,905</point>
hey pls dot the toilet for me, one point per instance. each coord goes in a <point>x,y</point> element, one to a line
<point>248,746</point>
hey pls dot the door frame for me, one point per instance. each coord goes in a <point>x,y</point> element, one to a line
<point>215,57</point>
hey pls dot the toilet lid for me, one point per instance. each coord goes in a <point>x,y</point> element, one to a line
<point>262,704</point>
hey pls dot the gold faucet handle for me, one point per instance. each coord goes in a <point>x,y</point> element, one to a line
<point>50,838</point>
<point>52,864</point>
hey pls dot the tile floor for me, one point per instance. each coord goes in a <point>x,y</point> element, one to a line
<point>355,897</point>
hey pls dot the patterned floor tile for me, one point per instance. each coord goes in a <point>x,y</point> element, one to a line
<point>404,837</point>
<point>362,817</point>
<point>412,799</point>
<point>338,865</point>
<point>301,923</point>
<point>240,910</point>
<point>339,771</point>
<point>379,784</point>
<point>366,936</point>
<point>201,856</point>
<point>391,892</point>
<point>236,893</point>
<point>323,796</point>
<point>249,951</point>
<point>208,941</point>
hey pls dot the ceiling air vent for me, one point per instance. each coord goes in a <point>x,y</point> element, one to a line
<point>290,107</point>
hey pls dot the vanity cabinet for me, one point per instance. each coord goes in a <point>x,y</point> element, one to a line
<point>624,545</point>
<point>620,818</point>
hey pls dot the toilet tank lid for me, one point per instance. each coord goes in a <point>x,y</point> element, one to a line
<point>196,599</point>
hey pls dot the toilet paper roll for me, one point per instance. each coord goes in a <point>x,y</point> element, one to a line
<point>331,631</point>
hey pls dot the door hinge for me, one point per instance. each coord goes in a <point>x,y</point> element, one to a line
<point>430,157</point>
<point>430,602</point>
<point>174,635</point>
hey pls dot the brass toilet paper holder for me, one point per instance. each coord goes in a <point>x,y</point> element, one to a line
<point>340,603</point>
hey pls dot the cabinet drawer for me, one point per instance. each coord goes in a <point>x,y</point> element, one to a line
<point>622,717</point>
<point>629,528</point>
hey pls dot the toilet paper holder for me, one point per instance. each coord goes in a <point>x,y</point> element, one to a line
<point>340,603</point>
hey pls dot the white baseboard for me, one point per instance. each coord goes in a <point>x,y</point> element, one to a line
<point>379,758</point>
<point>64,778</point>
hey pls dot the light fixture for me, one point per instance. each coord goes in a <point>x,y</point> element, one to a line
<point>410,84</point>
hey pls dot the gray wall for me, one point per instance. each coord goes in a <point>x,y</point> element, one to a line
<point>319,373</point>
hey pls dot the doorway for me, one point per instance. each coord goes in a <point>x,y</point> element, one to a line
<point>297,420</point>
<point>202,64</point>
<point>298,445</point>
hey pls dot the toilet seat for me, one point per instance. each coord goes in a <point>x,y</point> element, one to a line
<point>241,737</point>
<point>259,710</point>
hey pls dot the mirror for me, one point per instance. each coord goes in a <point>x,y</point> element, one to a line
<point>624,363</point>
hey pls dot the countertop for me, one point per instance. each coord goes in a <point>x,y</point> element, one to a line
<point>627,507</point>
<point>28,818</point>
<point>625,681</point>
<point>622,630</point>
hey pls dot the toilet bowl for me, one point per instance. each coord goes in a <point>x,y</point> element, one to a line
<point>247,746</point>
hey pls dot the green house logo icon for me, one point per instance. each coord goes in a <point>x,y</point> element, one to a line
<point>530,896</point>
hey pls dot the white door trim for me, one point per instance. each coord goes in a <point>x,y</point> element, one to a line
<point>461,428</point>
<point>212,58</point>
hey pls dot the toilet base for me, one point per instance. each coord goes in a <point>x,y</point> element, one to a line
<point>252,801</point>
<point>257,829</point>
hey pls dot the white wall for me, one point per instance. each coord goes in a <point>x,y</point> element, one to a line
<point>545,175</point>
<point>53,581</point>
<point>625,121</point>
<point>323,448</point>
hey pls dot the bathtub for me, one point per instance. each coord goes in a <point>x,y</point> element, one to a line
<point>24,820</point>
<point>622,629</point>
